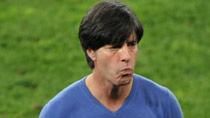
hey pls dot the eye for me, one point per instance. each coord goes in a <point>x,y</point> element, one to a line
<point>113,48</point>
<point>132,43</point>
<point>118,46</point>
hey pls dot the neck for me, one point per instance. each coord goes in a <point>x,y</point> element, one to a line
<point>111,96</point>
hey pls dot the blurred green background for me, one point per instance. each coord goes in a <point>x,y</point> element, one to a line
<point>40,53</point>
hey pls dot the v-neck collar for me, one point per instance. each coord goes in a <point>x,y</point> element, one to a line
<point>102,107</point>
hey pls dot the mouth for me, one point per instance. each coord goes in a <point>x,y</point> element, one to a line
<point>126,75</point>
<point>127,72</point>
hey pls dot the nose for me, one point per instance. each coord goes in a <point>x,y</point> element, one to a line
<point>125,53</point>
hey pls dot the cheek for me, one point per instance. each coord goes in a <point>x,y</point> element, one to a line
<point>135,54</point>
<point>104,62</point>
<point>109,64</point>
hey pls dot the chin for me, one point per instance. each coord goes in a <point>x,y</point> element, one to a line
<point>124,84</point>
<point>125,81</point>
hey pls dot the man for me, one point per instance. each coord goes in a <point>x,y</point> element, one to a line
<point>109,35</point>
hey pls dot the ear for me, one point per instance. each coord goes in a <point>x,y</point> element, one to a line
<point>91,53</point>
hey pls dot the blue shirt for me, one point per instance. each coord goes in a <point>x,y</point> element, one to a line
<point>146,100</point>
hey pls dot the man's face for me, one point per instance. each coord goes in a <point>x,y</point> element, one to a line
<point>116,64</point>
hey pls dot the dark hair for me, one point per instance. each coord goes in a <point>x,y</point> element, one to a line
<point>108,23</point>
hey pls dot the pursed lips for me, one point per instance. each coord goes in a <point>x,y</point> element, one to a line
<point>127,71</point>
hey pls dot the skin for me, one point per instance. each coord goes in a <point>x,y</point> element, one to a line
<point>112,77</point>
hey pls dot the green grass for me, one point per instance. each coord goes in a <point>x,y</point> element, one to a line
<point>40,53</point>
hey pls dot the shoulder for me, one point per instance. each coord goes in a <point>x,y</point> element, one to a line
<point>66,99</point>
<point>152,90</point>
<point>155,95</point>
<point>149,85</point>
